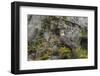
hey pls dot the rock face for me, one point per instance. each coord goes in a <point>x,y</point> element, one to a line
<point>82,21</point>
<point>35,22</point>
<point>34,25</point>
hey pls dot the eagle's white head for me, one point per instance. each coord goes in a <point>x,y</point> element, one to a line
<point>62,33</point>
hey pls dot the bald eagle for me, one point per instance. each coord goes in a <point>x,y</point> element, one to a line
<point>68,43</point>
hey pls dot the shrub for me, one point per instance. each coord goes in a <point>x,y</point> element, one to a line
<point>44,57</point>
<point>64,53</point>
<point>81,53</point>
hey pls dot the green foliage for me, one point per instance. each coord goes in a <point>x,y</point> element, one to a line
<point>64,52</point>
<point>84,32</point>
<point>44,57</point>
<point>81,53</point>
<point>31,47</point>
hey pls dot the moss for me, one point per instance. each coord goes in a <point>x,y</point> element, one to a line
<point>64,52</point>
<point>44,57</point>
<point>82,53</point>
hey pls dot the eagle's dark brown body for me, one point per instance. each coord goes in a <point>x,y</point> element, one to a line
<point>70,44</point>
